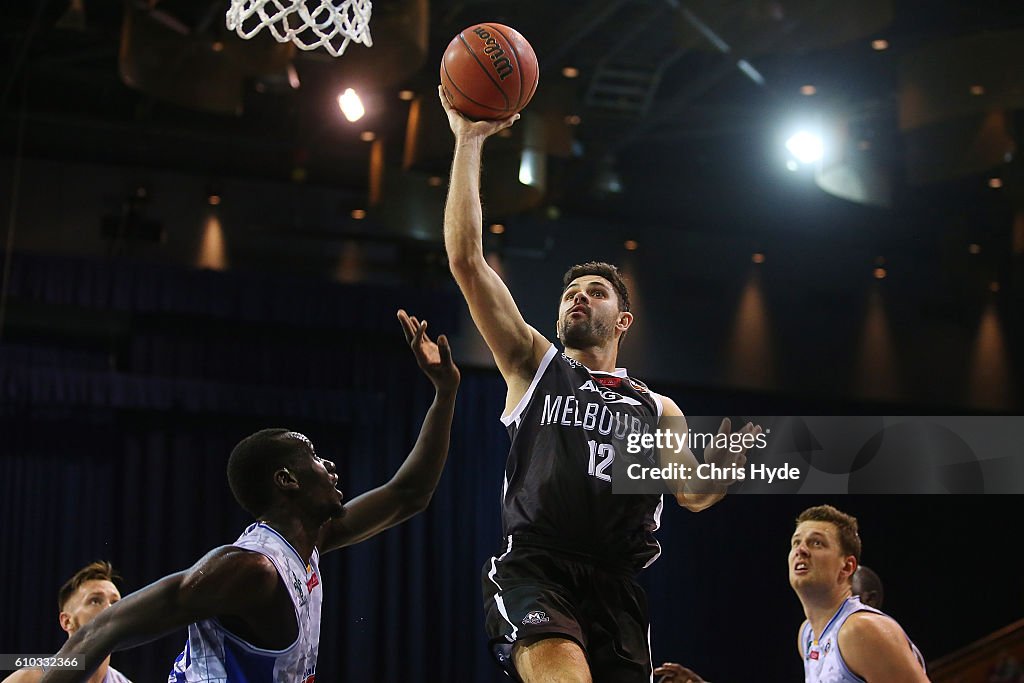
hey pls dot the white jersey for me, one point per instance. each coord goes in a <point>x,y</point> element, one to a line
<point>215,655</point>
<point>823,663</point>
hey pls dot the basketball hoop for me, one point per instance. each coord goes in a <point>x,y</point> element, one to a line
<point>330,24</point>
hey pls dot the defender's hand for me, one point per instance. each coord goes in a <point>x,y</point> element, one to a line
<point>465,129</point>
<point>435,359</point>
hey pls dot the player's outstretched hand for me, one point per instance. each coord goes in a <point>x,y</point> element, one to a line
<point>464,128</point>
<point>676,673</point>
<point>733,455</point>
<point>435,359</point>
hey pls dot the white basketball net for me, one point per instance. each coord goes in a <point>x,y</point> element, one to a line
<point>330,24</point>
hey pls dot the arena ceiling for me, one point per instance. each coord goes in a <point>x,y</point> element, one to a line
<point>674,120</point>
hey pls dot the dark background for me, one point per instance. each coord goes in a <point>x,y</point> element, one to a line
<point>128,464</point>
<point>144,330</point>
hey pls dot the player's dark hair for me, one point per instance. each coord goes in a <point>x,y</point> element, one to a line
<point>601,269</point>
<point>253,462</point>
<point>100,570</point>
<point>846,526</point>
<point>868,585</point>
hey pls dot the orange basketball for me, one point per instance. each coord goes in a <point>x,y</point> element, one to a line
<point>489,71</point>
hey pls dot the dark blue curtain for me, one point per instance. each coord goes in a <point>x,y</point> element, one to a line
<point>115,431</point>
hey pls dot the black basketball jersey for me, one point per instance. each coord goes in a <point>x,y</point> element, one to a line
<point>558,479</point>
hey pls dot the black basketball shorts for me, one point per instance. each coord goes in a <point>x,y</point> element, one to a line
<point>533,592</point>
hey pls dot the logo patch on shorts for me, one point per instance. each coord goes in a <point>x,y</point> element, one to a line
<point>534,618</point>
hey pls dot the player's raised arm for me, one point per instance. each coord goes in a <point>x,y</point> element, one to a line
<point>699,493</point>
<point>410,490</point>
<point>228,583</point>
<point>517,347</point>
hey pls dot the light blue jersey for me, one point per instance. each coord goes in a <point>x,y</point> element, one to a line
<point>214,655</point>
<point>823,663</point>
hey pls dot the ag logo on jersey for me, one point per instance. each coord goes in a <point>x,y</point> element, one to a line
<point>608,395</point>
<point>536,617</point>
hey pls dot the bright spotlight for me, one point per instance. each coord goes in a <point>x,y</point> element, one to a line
<point>351,105</point>
<point>806,147</point>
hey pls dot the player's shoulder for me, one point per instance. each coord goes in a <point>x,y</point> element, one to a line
<point>669,408</point>
<point>25,676</point>
<point>869,633</point>
<point>876,648</point>
<point>235,566</point>
<point>869,623</point>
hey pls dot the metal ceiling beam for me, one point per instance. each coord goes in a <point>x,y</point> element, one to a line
<point>584,22</point>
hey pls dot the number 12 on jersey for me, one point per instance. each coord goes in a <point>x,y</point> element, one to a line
<point>601,457</point>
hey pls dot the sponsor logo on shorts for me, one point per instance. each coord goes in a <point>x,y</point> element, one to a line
<point>536,617</point>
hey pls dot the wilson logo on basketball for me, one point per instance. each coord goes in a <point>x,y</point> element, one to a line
<point>497,56</point>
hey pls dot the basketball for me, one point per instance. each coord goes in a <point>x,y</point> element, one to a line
<point>489,71</point>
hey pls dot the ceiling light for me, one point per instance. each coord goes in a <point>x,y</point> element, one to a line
<point>758,257</point>
<point>570,71</point>
<point>497,228</point>
<point>358,214</point>
<point>435,181</point>
<point>367,136</point>
<point>880,44</point>
<point>406,95</point>
<point>213,199</point>
<point>977,89</point>
<point>995,183</point>
<point>630,245</point>
<point>351,105</point>
<point>806,147</point>
<point>974,248</point>
<point>879,273</point>
<point>572,120</point>
<point>808,90</point>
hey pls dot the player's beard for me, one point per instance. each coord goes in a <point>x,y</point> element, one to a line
<point>583,333</point>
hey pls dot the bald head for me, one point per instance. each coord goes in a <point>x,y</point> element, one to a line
<point>868,585</point>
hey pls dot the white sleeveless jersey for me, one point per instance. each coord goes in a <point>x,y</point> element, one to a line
<point>823,663</point>
<point>214,655</point>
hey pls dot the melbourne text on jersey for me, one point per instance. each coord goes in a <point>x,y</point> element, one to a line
<point>570,411</point>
